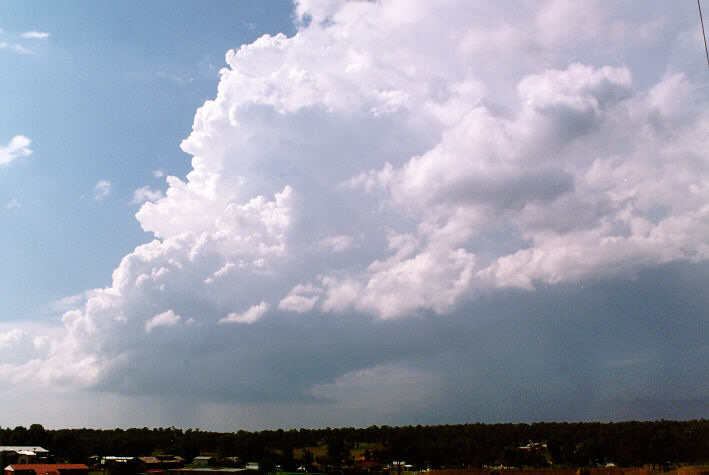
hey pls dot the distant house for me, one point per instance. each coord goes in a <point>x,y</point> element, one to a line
<point>400,465</point>
<point>157,463</point>
<point>168,462</point>
<point>367,466</point>
<point>118,465</point>
<point>143,464</point>
<point>207,471</point>
<point>534,446</point>
<point>204,461</point>
<point>47,469</point>
<point>112,460</point>
<point>23,454</point>
<point>230,461</point>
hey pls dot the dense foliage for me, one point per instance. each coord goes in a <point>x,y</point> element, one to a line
<point>475,445</point>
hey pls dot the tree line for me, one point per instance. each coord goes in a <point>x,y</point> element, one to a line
<point>631,443</point>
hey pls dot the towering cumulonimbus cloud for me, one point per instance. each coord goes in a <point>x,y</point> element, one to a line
<point>393,160</point>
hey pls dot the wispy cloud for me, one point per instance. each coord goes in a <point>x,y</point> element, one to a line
<point>21,49</point>
<point>35,35</point>
<point>174,77</point>
<point>144,194</point>
<point>13,204</point>
<point>27,35</point>
<point>102,189</point>
<point>16,148</point>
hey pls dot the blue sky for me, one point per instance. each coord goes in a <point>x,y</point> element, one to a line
<point>108,95</point>
<point>243,214</point>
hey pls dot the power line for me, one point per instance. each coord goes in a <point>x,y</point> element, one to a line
<point>706,50</point>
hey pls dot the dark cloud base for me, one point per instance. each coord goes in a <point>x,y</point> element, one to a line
<point>613,350</point>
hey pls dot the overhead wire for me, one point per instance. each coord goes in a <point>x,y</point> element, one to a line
<point>701,20</point>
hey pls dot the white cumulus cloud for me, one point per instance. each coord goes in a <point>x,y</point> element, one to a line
<point>301,298</point>
<point>251,315</point>
<point>16,148</point>
<point>12,336</point>
<point>164,319</point>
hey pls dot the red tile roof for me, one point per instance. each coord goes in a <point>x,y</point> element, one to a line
<point>42,468</point>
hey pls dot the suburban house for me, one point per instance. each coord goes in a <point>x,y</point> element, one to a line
<point>157,463</point>
<point>231,461</point>
<point>117,465</point>
<point>23,454</point>
<point>168,462</point>
<point>47,469</point>
<point>204,461</point>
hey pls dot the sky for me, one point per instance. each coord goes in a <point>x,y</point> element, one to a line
<point>261,214</point>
